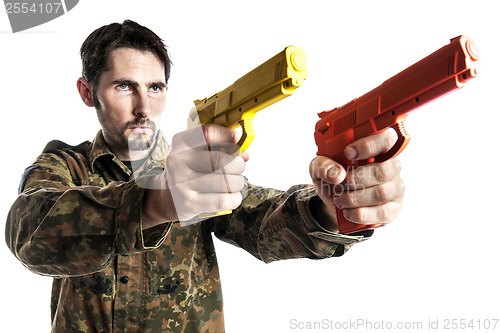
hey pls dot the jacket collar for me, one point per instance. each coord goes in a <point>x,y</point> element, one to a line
<point>99,148</point>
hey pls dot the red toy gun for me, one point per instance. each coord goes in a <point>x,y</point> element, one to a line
<point>440,73</point>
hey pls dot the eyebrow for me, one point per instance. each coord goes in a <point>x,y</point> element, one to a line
<point>134,84</point>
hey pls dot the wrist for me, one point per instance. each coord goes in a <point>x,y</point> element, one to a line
<point>325,216</point>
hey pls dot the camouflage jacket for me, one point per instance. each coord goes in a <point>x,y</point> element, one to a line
<point>78,219</point>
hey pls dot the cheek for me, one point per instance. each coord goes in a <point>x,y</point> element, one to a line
<point>157,107</point>
<point>115,108</point>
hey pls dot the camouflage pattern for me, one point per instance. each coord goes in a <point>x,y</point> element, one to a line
<point>78,219</point>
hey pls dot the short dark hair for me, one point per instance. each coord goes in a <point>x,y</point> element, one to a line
<point>96,49</point>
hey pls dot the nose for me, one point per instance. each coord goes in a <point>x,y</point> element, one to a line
<point>142,107</point>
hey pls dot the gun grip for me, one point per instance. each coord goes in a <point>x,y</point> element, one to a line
<point>347,227</point>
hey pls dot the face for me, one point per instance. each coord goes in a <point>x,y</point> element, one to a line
<point>132,96</point>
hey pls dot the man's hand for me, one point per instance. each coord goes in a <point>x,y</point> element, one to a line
<point>369,194</point>
<point>199,176</point>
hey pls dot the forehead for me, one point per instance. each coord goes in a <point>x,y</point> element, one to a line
<point>133,63</point>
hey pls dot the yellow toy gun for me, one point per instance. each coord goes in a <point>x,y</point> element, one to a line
<point>235,106</point>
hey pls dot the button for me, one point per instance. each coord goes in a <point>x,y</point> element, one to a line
<point>124,279</point>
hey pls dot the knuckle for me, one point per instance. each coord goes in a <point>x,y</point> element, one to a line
<point>230,184</point>
<point>402,186</point>
<point>234,135</point>
<point>317,168</point>
<point>384,213</point>
<point>240,184</point>
<point>383,192</point>
<point>351,200</point>
<point>186,195</point>
<point>171,171</point>
<point>228,201</point>
<point>390,140</point>
<point>383,172</point>
<point>175,138</point>
<point>223,202</point>
<point>182,197</point>
<point>352,178</point>
<point>397,164</point>
<point>370,147</point>
<point>238,198</point>
<point>209,132</point>
<point>237,165</point>
<point>358,215</point>
<point>169,162</point>
<point>242,165</point>
<point>221,183</point>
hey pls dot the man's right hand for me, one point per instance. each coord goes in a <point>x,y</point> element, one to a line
<point>199,177</point>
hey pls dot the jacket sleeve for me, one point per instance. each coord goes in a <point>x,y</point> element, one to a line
<point>57,228</point>
<point>277,225</point>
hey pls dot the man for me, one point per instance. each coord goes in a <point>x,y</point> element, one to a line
<point>111,237</point>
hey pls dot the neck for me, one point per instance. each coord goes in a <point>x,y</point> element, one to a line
<point>133,155</point>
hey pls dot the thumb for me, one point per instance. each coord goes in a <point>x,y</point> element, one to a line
<point>325,169</point>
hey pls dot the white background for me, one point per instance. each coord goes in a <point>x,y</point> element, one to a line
<point>438,260</point>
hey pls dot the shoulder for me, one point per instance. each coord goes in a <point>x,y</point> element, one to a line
<point>56,146</point>
<point>60,153</point>
<point>59,161</point>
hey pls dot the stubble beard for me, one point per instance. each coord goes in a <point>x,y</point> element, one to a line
<point>139,141</point>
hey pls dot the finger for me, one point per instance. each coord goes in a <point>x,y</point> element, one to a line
<point>372,174</point>
<point>205,162</point>
<point>371,196</point>
<point>217,183</point>
<point>371,146</point>
<point>210,202</point>
<point>220,202</point>
<point>384,213</point>
<point>189,139</point>
<point>225,163</point>
<point>190,203</point>
<point>325,191</point>
<point>245,156</point>
<point>215,134</point>
<point>204,137</point>
<point>325,169</point>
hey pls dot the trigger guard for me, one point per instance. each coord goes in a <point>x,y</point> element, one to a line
<point>247,135</point>
<point>399,146</point>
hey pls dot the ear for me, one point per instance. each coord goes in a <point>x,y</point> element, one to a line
<point>85,91</point>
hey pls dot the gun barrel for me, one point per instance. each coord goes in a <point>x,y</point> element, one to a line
<point>275,79</point>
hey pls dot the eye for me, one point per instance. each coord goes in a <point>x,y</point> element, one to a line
<point>155,88</point>
<point>123,86</point>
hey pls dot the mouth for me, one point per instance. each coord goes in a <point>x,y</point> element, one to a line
<point>140,129</point>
